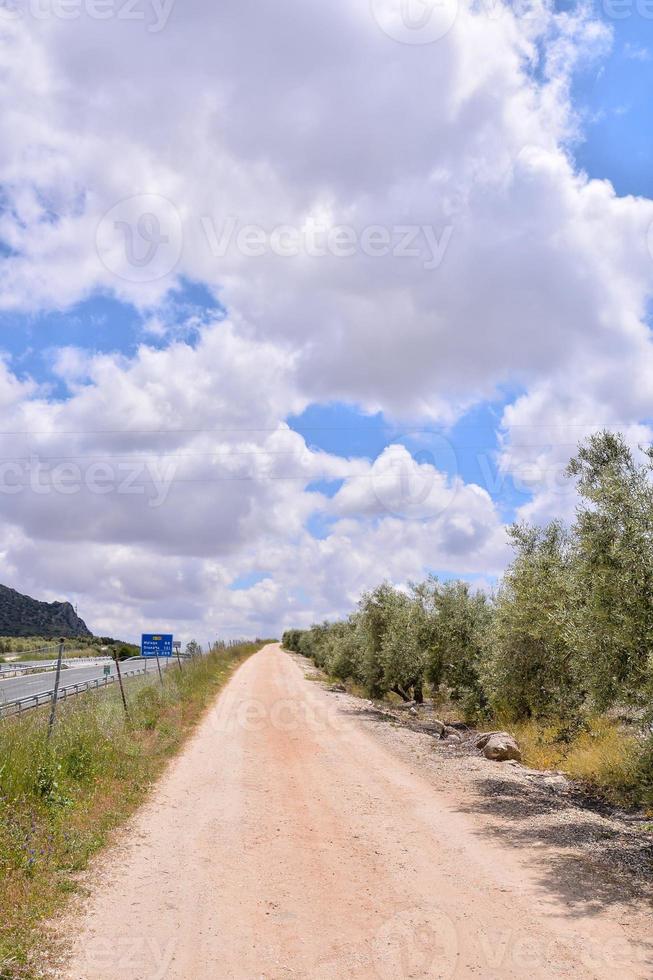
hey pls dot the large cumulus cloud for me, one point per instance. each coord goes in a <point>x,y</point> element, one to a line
<point>422,238</point>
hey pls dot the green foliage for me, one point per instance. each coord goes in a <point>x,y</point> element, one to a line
<point>613,582</point>
<point>645,772</point>
<point>290,640</point>
<point>343,653</point>
<point>375,611</point>
<point>403,654</point>
<point>529,669</point>
<point>567,636</point>
<point>460,621</point>
<point>44,648</point>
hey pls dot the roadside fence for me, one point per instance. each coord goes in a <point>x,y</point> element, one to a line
<point>27,691</point>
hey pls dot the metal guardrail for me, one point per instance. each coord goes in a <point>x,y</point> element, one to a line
<point>18,705</point>
<point>14,670</point>
<point>54,647</point>
<point>11,671</point>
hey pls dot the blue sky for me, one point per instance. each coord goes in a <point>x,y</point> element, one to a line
<point>100,325</point>
<point>526,323</point>
<point>614,100</point>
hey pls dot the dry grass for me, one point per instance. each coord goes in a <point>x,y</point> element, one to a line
<point>600,754</point>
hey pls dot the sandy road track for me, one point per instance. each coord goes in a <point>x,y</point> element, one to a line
<point>289,841</point>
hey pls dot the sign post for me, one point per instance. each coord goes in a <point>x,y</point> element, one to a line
<point>157,645</point>
<point>122,689</point>
<point>55,693</point>
<point>177,646</point>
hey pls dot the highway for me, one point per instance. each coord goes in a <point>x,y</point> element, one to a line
<point>32,685</point>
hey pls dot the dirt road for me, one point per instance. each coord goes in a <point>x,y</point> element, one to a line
<point>289,841</point>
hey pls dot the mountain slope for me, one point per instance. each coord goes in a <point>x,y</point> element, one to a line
<point>21,615</point>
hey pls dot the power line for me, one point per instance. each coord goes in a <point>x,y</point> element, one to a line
<point>405,430</point>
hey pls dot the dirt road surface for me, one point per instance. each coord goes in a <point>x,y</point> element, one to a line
<point>289,840</point>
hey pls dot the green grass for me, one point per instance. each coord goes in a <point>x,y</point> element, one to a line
<point>60,799</point>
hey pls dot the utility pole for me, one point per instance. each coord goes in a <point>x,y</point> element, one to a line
<point>55,693</point>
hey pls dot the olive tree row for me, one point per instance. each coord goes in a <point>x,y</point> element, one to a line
<point>568,630</point>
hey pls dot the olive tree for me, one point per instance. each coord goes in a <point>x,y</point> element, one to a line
<point>614,569</point>
<point>457,643</point>
<point>403,652</point>
<point>345,653</point>
<point>375,610</point>
<point>529,669</point>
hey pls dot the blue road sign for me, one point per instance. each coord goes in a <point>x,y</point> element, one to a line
<point>156,645</point>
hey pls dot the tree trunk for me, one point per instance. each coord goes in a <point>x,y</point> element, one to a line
<point>402,694</point>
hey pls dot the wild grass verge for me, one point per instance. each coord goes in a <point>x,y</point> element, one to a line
<point>59,799</point>
<point>601,755</point>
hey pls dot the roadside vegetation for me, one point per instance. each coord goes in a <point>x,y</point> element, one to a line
<point>17,649</point>
<point>561,654</point>
<point>60,798</point>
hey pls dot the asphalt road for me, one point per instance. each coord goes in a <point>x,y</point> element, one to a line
<point>43,683</point>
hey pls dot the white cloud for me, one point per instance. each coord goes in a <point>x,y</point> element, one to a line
<point>520,271</point>
<point>636,52</point>
<point>161,479</point>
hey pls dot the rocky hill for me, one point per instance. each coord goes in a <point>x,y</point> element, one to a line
<point>22,616</point>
